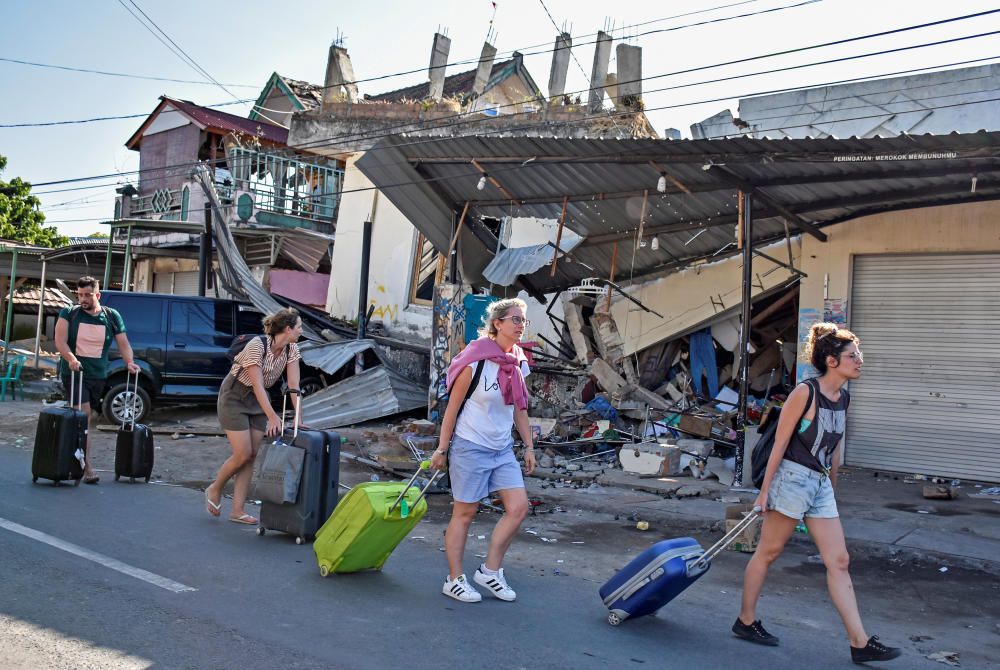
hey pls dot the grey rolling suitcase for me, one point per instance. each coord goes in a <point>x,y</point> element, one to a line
<point>317,490</point>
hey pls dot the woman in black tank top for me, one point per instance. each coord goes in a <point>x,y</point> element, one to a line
<point>798,484</point>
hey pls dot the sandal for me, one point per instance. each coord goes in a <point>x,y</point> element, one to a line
<point>91,479</point>
<point>215,509</point>
<point>245,519</point>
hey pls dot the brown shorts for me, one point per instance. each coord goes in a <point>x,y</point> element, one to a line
<point>238,407</point>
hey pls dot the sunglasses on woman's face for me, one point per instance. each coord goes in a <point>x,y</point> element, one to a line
<point>518,320</point>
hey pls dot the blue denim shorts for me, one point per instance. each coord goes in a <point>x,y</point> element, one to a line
<point>476,471</point>
<point>797,492</point>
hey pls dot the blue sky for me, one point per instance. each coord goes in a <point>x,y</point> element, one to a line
<point>243,43</point>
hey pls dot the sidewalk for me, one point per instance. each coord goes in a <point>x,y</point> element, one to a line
<point>883,516</point>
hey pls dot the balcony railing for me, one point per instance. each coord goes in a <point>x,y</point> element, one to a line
<point>288,185</point>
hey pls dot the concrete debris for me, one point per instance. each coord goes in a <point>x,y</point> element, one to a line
<point>690,491</point>
<point>946,657</point>
<point>940,492</point>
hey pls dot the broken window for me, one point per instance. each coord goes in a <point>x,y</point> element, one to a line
<point>428,267</point>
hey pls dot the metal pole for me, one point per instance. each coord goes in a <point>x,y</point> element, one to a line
<point>205,251</point>
<point>10,307</point>
<point>41,312</point>
<point>366,249</point>
<point>744,371</point>
<point>107,259</point>
<point>127,272</point>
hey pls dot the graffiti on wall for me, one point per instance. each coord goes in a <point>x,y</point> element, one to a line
<point>448,323</point>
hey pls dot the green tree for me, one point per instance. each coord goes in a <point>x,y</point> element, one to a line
<point>20,219</point>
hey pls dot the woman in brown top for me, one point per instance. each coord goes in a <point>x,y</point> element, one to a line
<point>245,411</point>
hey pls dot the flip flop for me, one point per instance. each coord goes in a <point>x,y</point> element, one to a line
<point>215,509</point>
<point>92,479</point>
<point>245,519</point>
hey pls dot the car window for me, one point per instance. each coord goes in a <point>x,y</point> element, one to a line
<point>196,318</point>
<point>249,322</point>
<point>139,314</point>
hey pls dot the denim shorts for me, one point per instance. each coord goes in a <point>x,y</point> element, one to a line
<point>476,471</point>
<point>796,491</point>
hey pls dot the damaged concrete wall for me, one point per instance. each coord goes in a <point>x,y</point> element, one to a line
<point>393,242</point>
<point>690,298</point>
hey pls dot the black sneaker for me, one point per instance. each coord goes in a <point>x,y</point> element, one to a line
<point>754,633</point>
<point>874,651</point>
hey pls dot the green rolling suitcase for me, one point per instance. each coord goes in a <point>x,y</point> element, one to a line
<point>368,524</point>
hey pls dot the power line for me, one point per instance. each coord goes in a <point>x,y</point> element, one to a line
<point>330,141</point>
<point>528,127</point>
<point>119,74</point>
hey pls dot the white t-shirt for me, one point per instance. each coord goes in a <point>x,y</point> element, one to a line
<point>486,419</point>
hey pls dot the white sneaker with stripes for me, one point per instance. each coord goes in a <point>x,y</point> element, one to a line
<point>460,589</point>
<point>497,585</point>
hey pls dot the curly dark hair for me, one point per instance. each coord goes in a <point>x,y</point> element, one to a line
<point>276,323</point>
<point>827,339</point>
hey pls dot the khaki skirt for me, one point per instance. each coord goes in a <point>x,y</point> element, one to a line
<point>238,407</point>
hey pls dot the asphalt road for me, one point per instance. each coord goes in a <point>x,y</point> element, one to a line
<point>259,602</point>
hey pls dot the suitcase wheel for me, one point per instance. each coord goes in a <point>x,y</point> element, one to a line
<point>117,477</point>
<point>614,619</point>
<point>300,540</point>
<point>260,530</point>
<point>131,480</point>
<point>55,482</point>
<point>34,480</point>
<point>147,480</point>
<point>324,571</point>
<point>76,482</point>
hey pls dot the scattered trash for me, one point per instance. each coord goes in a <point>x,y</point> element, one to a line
<point>920,638</point>
<point>947,657</point>
<point>642,525</point>
<point>560,561</point>
<point>940,492</point>
<point>480,537</point>
<point>531,531</point>
<point>418,537</point>
<point>943,569</point>
<point>577,542</point>
<point>546,539</point>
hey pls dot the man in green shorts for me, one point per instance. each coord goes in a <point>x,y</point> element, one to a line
<point>83,338</point>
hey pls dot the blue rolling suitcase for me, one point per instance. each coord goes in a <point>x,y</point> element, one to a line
<point>658,575</point>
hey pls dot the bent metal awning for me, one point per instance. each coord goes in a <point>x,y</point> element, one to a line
<point>620,195</point>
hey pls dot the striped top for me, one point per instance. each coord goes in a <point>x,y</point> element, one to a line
<point>271,365</point>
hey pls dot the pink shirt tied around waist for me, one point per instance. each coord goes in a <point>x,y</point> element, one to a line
<point>510,378</point>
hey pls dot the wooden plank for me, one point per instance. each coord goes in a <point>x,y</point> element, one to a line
<point>562,222</point>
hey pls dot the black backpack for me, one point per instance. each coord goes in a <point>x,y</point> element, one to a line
<point>762,450</point>
<point>240,343</point>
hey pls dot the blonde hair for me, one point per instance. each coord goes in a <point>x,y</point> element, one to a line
<point>827,339</point>
<point>498,310</point>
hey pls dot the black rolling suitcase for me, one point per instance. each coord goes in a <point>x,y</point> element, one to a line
<point>61,440</point>
<point>134,447</point>
<point>318,486</point>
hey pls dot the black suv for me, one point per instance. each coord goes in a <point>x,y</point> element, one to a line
<point>180,342</point>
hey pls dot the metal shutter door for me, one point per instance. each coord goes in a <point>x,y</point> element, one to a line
<point>928,400</point>
<point>176,283</point>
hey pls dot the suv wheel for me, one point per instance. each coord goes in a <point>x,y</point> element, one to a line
<point>311,385</point>
<point>118,404</point>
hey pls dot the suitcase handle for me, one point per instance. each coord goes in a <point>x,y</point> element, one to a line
<point>726,540</point>
<point>298,410</point>
<point>424,465</point>
<point>79,394</point>
<point>135,393</point>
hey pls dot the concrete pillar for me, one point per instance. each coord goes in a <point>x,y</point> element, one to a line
<point>629,75</point>
<point>485,69</point>
<point>599,73</point>
<point>439,59</point>
<point>560,65</point>
<point>339,86</point>
<point>611,87</point>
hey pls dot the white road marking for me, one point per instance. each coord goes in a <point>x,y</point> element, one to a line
<point>100,559</point>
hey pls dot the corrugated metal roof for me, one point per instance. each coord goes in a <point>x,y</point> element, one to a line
<point>376,392</point>
<point>822,181</point>
<point>509,264</point>
<point>332,356</point>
